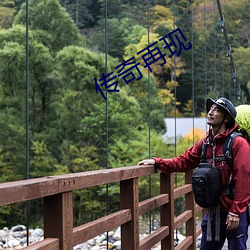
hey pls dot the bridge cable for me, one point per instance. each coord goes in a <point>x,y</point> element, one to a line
<point>192,71</point>
<point>149,120</point>
<point>107,113</point>
<point>215,52</point>
<point>175,110</point>
<point>229,54</point>
<point>221,44</point>
<point>205,50</point>
<point>27,204</point>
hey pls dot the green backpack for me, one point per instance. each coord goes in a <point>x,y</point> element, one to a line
<point>243,120</point>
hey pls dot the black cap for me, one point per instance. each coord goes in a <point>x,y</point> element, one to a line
<point>223,103</point>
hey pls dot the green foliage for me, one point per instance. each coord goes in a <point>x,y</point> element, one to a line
<point>6,17</point>
<point>84,13</point>
<point>53,25</point>
<point>72,129</point>
<point>242,63</point>
<point>42,162</point>
<point>12,149</point>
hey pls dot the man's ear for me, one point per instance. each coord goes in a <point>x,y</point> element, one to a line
<point>228,118</point>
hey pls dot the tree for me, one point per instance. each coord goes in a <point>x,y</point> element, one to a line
<point>242,64</point>
<point>53,25</point>
<point>84,13</point>
<point>6,17</point>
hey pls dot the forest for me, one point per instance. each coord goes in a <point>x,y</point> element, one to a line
<point>66,45</point>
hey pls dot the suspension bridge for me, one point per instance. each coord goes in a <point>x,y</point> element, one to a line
<point>56,192</point>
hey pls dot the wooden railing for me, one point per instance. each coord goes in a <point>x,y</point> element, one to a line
<point>59,232</point>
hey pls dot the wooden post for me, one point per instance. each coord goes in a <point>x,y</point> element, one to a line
<point>167,210</point>
<point>129,198</point>
<point>58,219</point>
<point>190,205</point>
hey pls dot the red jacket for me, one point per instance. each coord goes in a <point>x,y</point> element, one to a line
<point>241,167</point>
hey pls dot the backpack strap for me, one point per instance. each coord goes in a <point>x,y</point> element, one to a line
<point>203,152</point>
<point>227,148</point>
<point>227,151</point>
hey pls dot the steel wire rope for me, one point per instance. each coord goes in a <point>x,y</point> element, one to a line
<point>236,82</point>
<point>192,71</point>
<point>222,68</point>
<point>229,83</point>
<point>215,52</point>
<point>77,13</point>
<point>205,49</point>
<point>149,120</point>
<point>221,44</point>
<point>106,111</point>
<point>175,108</point>
<point>27,204</point>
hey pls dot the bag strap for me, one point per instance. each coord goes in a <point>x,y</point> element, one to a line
<point>227,148</point>
<point>227,151</point>
<point>203,152</point>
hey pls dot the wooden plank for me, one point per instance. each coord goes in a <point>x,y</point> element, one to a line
<point>46,244</point>
<point>58,219</point>
<point>182,218</point>
<point>198,209</point>
<point>24,190</point>
<point>198,231</point>
<point>99,177</point>
<point>154,238</point>
<point>90,230</point>
<point>152,203</point>
<point>178,192</point>
<point>185,244</point>
<point>190,205</point>
<point>129,195</point>
<point>167,210</point>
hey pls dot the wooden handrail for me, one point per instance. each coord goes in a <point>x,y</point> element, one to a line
<point>56,191</point>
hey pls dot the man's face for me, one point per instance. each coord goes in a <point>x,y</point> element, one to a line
<point>215,116</point>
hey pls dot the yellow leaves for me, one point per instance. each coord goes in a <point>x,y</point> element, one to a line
<point>166,96</point>
<point>159,66</point>
<point>203,114</point>
<point>161,12</point>
<point>161,15</point>
<point>172,84</point>
<point>188,107</point>
<point>145,41</point>
<point>195,134</point>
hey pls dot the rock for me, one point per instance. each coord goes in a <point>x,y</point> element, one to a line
<point>103,243</point>
<point>117,234</point>
<point>81,246</point>
<point>91,242</point>
<point>117,244</point>
<point>13,243</point>
<point>111,233</point>
<point>3,233</point>
<point>95,248</point>
<point>111,239</point>
<point>18,228</point>
<point>38,232</point>
<point>16,238</point>
<point>100,238</point>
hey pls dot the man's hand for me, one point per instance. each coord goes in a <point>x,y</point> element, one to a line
<point>232,221</point>
<point>146,162</point>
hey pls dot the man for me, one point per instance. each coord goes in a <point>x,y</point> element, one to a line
<point>221,115</point>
